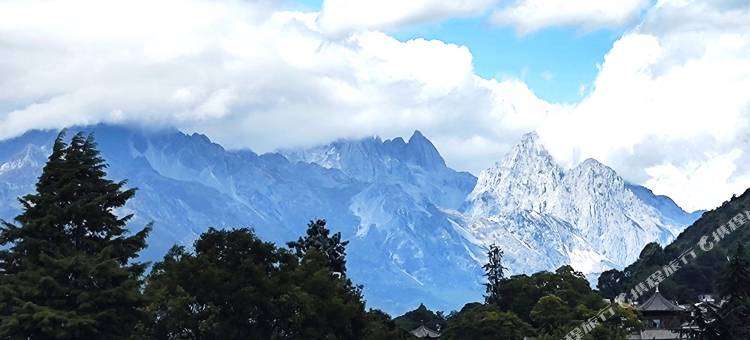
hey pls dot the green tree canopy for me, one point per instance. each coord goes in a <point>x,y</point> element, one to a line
<point>421,316</point>
<point>236,286</point>
<point>66,269</point>
<point>485,321</point>
<point>379,326</point>
<point>550,313</point>
<point>318,237</point>
<point>734,288</point>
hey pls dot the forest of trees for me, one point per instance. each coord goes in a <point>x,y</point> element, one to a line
<point>723,272</point>
<point>69,270</point>
<point>698,277</point>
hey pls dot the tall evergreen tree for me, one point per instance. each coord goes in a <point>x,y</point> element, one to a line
<point>728,319</point>
<point>734,288</point>
<point>65,267</point>
<point>317,236</point>
<point>495,273</point>
<point>734,283</point>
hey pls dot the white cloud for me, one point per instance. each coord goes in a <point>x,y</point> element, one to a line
<point>340,16</point>
<point>582,90</point>
<point>246,74</point>
<point>704,183</point>
<point>670,94</point>
<point>668,108</point>
<point>531,15</point>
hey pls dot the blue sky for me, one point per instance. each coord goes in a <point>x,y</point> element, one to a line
<point>554,62</point>
<point>269,75</point>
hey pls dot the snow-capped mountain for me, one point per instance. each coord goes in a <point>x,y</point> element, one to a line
<point>587,216</point>
<point>418,230</point>
<point>415,165</point>
<point>402,242</point>
<point>406,213</point>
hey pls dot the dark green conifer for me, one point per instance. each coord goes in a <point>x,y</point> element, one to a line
<point>734,288</point>
<point>66,269</point>
<point>317,236</point>
<point>495,273</point>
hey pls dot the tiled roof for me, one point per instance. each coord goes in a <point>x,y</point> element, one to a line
<point>424,332</point>
<point>659,303</point>
<point>657,334</point>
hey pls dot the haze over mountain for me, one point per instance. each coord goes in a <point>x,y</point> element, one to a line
<point>418,229</point>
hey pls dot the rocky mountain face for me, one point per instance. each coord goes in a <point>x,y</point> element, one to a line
<point>418,229</point>
<point>587,216</point>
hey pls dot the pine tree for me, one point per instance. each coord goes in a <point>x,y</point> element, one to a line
<point>734,288</point>
<point>65,270</point>
<point>495,273</point>
<point>734,283</point>
<point>322,305</point>
<point>317,236</point>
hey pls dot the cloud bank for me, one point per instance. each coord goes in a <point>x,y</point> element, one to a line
<point>668,108</point>
<point>531,15</point>
<point>341,16</point>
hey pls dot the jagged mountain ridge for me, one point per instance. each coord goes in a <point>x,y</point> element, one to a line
<point>401,242</point>
<point>416,165</point>
<point>609,220</point>
<point>409,217</point>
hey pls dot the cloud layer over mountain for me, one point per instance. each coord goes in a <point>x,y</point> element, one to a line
<point>668,108</point>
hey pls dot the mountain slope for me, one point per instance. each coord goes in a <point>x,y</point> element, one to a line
<point>416,165</point>
<point>587,216</point>
<point>699,276</point>
<point>401,241</point>
<point>418,230</point>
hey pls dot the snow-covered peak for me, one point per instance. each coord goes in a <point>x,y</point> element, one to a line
<point>592,175</point>
<point>604,212</point>
<point>594,167</point>
<point>417,137</point>
<point>416,165</point>
<point>421,151</point>
<point>531,139</point>
<point>371,157</point>
<point>530,148</point>
<point>395,200</point>
<point>519,181</point>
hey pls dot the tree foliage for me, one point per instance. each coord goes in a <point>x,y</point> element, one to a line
<point>727,319</point>
<point>236,286</point>
<point>66,269</point>
<point>494,271</point>
<point>421,316</point>
<point>694,279</point>
<point>317,237</point>
<point>486,321</point>
<point>550,313</point>
<point>379,326</point>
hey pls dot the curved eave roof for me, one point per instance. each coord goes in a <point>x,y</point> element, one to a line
<point>658,303</point>
<point>424,332</point>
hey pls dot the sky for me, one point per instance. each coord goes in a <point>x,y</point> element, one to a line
<point>656,89</point>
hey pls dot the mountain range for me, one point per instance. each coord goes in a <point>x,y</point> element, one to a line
<point>418,230</point>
